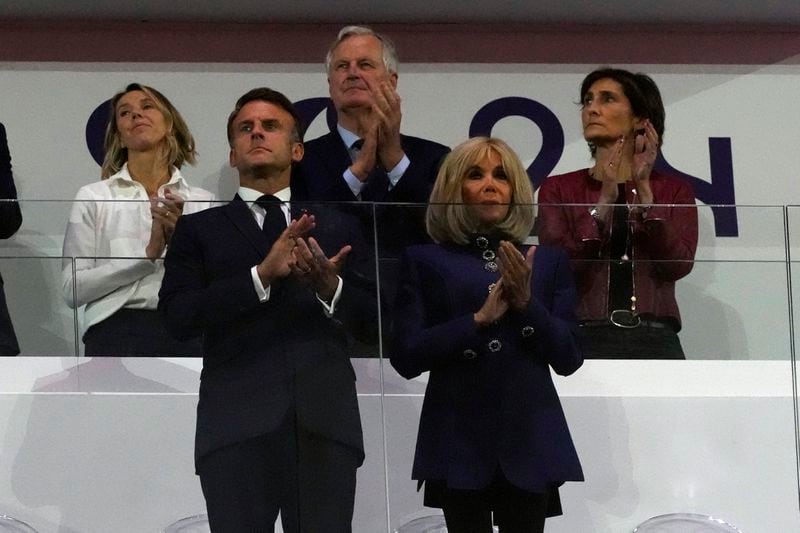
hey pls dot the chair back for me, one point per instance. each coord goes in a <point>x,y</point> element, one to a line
<point>12,525</point>
<point>685,522</point>
<point>424,524</point>
<point>191,524</point>
<point>427,524</point>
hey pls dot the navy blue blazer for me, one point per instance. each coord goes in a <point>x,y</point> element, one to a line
<point>326,158</point>
<point>10,221</point>
<point>263,360</point>
<point>490,400</point>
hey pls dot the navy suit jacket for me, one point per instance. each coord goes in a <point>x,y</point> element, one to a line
<point>264,360</point>
<point>326,158</point>
<point>490,401</point>
<point>10,221</point>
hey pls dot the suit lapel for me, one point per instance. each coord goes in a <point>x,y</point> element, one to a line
<point>240,215</point>
<point>337,148</point>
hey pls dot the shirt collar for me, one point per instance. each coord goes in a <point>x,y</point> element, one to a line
<point>175,181</point>
<point>251,195</point>
<point>347,136</point>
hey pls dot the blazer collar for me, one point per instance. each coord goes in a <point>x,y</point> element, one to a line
<point>338,146</point>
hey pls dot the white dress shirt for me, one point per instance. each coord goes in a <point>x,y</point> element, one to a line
<point>105,240</point>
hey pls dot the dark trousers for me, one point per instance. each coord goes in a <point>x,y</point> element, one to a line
<point>8,339</point>
<point>310,480</point>
<point>512,509</point>
<point>137,332</point>
<point>643,342</point>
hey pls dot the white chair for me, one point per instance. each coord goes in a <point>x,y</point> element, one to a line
<point>12,525</point>
<point>685,523</point>
<point>426,524</point>
<point>199,524</point>
<point>191,524</point>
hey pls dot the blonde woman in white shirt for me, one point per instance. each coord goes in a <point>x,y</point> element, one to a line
<point>119,228</point>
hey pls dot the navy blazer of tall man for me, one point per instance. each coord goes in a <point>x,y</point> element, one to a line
<point>278,426</point>
<point>366,158</point>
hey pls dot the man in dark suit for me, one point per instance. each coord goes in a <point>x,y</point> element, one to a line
<point>278,427</point>
<point>366,158</point>
<point>10,221</point>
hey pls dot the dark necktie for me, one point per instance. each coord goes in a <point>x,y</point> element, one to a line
<point>274,219</point>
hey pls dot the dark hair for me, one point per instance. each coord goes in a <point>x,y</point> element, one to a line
<point>265,94</point>
<point>641,91</point>
<point>179,147</point>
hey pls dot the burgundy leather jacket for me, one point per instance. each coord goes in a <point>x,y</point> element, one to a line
<point>663,247</point>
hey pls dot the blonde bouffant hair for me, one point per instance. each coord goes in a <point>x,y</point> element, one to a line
<point>178,147</point>
<point>449,220</point>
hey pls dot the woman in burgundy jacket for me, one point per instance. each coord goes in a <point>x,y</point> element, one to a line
<point>634,230</point>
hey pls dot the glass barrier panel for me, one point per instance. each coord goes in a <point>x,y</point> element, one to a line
<point>793,245</point>
<point>31,265</point>
<point>398,227</point>
<point>646,431</point>
<point>653,436</point>
<point>359,312</point>
<point>286,359</point>
<point>793,242</point>
<point>34,318</point>
<point>727,300</point>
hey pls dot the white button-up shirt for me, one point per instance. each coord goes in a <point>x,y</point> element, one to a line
<point>107,233</point>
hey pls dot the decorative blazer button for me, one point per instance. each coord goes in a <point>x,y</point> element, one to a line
<point>527,331</point>
<point>470,354</point>
<point>494,345</point>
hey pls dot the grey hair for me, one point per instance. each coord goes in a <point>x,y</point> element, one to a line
<point>390,60</point>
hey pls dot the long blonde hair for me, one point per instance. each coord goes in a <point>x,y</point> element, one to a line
<point>179,145</point>
<point>447,218</point>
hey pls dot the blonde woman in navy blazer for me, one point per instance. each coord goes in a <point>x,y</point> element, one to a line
<point>488,317</point>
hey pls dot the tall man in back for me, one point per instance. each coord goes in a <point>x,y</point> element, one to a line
<point>367,158</point>
<point>278,427</point>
